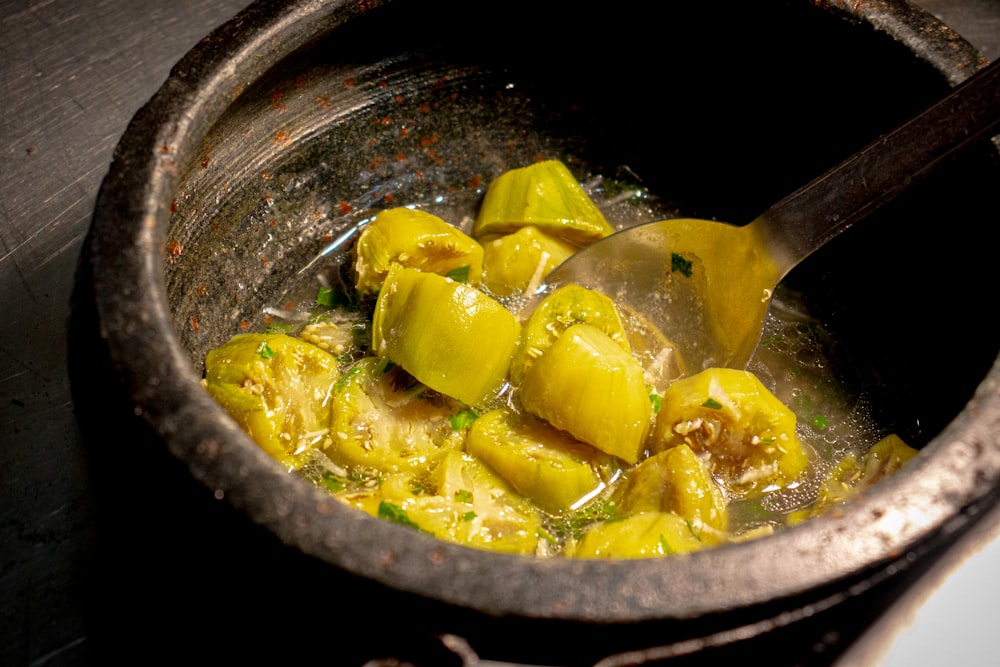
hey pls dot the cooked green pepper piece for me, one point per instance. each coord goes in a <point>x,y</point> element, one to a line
<point>568,305</point>
<point>382,425</point>
<point>276,387</point>
<point>850,476</point>
<point>676,481</point>
<point>585,383</point>
<point>747,433</point>
<point>544,464</point>
<point>546,195</point>
<point>416,239</point>
<point>450,336</point>
<point>645,535</point>
<point>516,263</point>
<point>462,501</point>
<point>502,521</point>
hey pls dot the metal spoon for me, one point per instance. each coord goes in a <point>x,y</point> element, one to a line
<point>707,285</point>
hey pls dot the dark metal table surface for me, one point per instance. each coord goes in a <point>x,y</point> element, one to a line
<point>72,74</point>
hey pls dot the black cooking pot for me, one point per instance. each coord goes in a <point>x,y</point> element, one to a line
<point>295,120</point>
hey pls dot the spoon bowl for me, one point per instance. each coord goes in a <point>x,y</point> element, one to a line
<point>707,286</point>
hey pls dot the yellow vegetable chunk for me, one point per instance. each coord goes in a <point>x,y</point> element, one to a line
<point>545,195</point>
<point>586,384</point>
<point>277,388</point>
<point>516,263</point>
<point>747,432</point>
<point>416,239</point>
<point>379,425</point>
<point>542,463</point>
<point>462,501</point>
<point>392,487</point>
<point>645,535</point>
<point>568,305</point>
<point>452,337</point>
<point>676,481</point>
<point>851,475</point>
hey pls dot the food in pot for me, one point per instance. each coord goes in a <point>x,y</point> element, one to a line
<point>747,435</point>
<point>437,401</point>
<point>450,336</point>
<point>277,387</point>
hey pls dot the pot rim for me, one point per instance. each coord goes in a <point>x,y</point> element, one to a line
<point>955,473</point>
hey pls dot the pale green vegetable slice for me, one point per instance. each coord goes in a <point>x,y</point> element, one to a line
<point>516,263</point>
<point>545,195</point>
<point>676,481</point>
<point>416,239</point>
<point>568,305</point>
<point>645,535</point>
<point>452,337</point>
<point>544,464</point>
<point>746,432</point>
<point>884,459</point>
<point>379,424</point>
<point>276,387</point>
<point>461,501</point>
<point>586,384</point>
<point>852,474</point>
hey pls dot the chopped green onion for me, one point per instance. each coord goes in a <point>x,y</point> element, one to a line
<point>459,274</point>
<point>332,482</point>
<point>385,365</point>
<point>546,535</point>
<point>694,531</point>
<point>680,265</point>
<point>820,422</point>
<point>712,404</point>
<point>657,402</point>
<point>463,496</point>
<point>342,382</point>
<point>463,419</point>
<point>575,523</point>
<point>469,516</point>
<point>667,549</point>
<point>265,351</point>
<point>325,296</point>
<point>395,513</point>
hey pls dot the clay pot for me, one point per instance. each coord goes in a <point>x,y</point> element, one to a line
<point>293,121</point>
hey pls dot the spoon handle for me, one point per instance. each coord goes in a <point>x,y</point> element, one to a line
<point>809,217</point>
